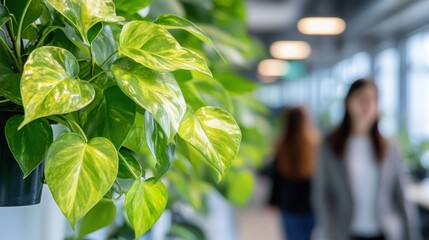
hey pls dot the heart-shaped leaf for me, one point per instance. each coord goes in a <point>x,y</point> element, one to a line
<point>4,15</point>
<point>100,216</point>
<point>145,202</point>
<point>111,117</point>
<point>80,173</point>
<point>215,134</point>
<point>84,14</point>
<point>159,145</point>
<point>129,167</point>
<point>154,91</point>
<point>169,21</point>
<point>155,48</point>
<point>28,145</point>
<point>50,86</point>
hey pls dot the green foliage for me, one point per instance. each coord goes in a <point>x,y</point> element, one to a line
<point>84,14</point>
<point>98,217</point>
<point>159,50</point>
<point>28,145</point>
<point>145,202</point>
<point>4,15</point>
<point>137,98</point>
<point>50,76</point>
<point>215,134</point>
<point>238,186</point>
<point>129,167</point>
<point>79,173</point>
<point>157,92</point>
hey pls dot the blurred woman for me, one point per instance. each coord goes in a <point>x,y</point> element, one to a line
<point>293,169</point>
<point>359,183</point>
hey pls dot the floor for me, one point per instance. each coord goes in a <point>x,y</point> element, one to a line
<point>257,221</point>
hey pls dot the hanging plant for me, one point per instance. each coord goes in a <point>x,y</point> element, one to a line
<point>117,88</point>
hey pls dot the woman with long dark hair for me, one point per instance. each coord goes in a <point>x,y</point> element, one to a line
<point>293,169</point>
<point>358,189</point>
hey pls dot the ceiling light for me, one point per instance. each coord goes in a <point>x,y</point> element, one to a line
<point>291,50</point>
<point>321,26</point>
<point>272,68</point>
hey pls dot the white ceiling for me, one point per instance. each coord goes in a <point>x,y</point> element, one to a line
<point>271,16</point>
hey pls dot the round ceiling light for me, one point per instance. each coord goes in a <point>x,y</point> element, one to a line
<point>321,25</point>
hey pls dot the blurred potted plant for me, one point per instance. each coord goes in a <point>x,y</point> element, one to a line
<point>114,85</point>
<point>416,154</point>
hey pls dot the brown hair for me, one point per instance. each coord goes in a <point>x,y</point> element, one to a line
<point>338,138</point>
<point>295,152</point>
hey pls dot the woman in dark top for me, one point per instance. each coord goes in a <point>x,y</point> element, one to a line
<point>292,172</point>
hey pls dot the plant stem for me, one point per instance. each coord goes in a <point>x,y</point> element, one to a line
<point>72,125</point>
<point>108,59</point>
<point>93,78</point>
<point>9,28</point>
<point>77,129</point>
<point>120,191</point>
<point>18,40</point>
<point>10,53</point>
<point>4,101</point>
<point>91,52</point>
<point>123,159</point>
<point>59,119</point>
<point>45,34</point>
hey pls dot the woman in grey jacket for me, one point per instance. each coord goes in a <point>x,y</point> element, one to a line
<point>358,188</point>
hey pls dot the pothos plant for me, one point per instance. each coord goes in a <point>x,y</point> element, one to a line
<point>121,89</point>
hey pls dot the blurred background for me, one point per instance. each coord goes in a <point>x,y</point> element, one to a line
<point>288,60</point>
<point>386,40</point>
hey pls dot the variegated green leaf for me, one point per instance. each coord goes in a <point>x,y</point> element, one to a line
<point>50,86</point>
<point>30,144</point>
<point>215,134</point>
<point>154,91</point>
<point>84,14</point>
<point>169,21</point>
<point>159,145</point>
<point>155,48</point>
<point>145,202</point>
<point>80,173</point>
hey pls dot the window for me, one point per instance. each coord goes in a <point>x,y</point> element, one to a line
<point>387,78</point>
<point>418,86</point>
